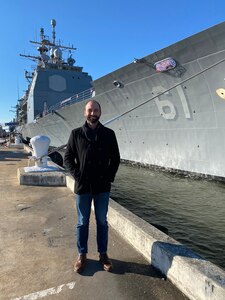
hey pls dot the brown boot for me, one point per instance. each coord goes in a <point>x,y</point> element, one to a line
<point>105,261</point>
<point>80,263</point>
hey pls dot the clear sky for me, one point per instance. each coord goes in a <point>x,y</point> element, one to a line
<point>107,34</point>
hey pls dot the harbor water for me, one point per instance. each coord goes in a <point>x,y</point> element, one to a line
<point>192,210</point>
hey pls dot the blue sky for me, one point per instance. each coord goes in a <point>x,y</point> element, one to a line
<point>107,34</point>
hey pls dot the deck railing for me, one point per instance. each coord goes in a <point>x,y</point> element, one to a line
<point>73,99</point>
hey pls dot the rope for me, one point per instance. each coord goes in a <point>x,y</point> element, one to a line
<point>35,158</point>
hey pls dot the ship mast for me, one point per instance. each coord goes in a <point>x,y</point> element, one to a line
<point>46,45</point>
<point>46,42</point>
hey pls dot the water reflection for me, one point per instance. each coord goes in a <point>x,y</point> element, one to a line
<point>192,210</point>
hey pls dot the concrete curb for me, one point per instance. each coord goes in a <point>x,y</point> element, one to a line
<point>197,278</point>
<point>15,146</point>
<point>55,178</point>
<point>194,276</point>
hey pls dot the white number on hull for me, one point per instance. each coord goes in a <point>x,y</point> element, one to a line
<point>163,105</point>
<point>183,101</point>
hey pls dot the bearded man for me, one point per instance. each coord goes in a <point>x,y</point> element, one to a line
<point>92,157</point>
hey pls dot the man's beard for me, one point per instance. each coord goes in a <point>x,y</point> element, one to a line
<point>93,119</point>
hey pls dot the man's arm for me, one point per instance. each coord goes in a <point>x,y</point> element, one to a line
<point>114,159</point>
<point>71,155</point>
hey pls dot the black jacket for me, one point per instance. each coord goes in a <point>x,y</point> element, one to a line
<point>92,157</point>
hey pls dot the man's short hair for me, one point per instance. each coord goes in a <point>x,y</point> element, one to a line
<point>93,100</point>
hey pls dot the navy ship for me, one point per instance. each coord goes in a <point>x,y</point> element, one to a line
<point>167,109</point>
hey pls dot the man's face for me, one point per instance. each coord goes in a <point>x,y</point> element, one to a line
<point>92,112</point>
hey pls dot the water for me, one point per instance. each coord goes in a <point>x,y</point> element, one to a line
<point>192,210</point>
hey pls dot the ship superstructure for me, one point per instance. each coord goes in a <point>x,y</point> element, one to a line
<point>53,80</point>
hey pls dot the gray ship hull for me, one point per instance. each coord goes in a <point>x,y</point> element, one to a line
<point>181,128</point>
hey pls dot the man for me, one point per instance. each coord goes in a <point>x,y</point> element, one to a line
<point>92,157</point>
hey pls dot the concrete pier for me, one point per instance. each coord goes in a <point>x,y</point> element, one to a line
<point>38,249</point>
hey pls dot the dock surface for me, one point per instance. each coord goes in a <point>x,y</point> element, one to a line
<point>38,248</point>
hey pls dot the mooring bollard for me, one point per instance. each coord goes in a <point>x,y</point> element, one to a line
<point>40,144</point>
<point>41,173</point>
<point>17,140</point>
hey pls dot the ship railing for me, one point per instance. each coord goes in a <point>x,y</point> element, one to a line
<point>73,99</point>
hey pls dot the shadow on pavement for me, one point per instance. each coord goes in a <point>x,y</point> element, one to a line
<point>7,155</point>
<point>121,267</point>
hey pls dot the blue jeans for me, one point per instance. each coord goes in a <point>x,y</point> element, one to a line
<point>83,203</point>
